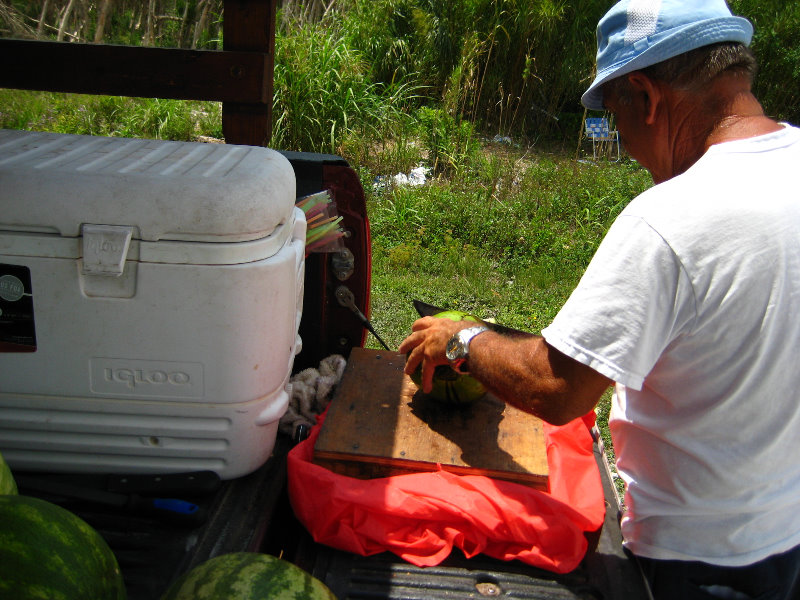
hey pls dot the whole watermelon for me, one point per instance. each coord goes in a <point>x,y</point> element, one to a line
<point>450,387</point>
<point>49,553</point>
<point>247,576</point>
<point>7,483</point>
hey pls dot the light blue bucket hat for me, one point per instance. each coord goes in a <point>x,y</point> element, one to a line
<point>635,34</point>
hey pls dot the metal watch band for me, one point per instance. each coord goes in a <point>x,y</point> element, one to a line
<point>458,347</point>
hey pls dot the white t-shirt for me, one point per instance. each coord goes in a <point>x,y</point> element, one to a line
<point>692,305</point>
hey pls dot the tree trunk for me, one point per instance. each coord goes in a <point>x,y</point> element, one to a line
<point>64,18</point>
<point>203,6</point>
<point>136,18</point>
<point>81,20</point>
<point>328,8</point>
<point>102,20</point>
<point>149,30</point>
<point>184,25</point>
<point>42,18</point>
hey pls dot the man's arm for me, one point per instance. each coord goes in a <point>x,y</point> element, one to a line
<point>523,371</point>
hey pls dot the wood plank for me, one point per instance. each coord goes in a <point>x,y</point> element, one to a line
<point>249,25</point>
<point>240,76</point>
<point>248,124</point>
<point>380,424</point>
<point>226,76</point>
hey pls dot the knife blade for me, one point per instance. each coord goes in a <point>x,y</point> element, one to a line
<point>428,310</point>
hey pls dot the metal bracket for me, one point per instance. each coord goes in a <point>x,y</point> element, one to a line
<point>346,298</point>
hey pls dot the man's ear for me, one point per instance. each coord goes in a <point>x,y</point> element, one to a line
<point>649,92</point>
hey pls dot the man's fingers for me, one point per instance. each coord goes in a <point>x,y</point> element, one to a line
<point>412,341</point>
<point>412,360</point>
<point>423,323</point>
<point>415,338</point>
<point>427,377</point>
<point>425,345</point>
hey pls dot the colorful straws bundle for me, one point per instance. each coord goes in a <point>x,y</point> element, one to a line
<point>322,222</point>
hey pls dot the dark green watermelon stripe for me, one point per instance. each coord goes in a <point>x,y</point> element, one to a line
<point>45,546</point>
<point>247,576</point>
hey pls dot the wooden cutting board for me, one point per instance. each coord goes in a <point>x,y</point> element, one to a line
<point>380,424</point>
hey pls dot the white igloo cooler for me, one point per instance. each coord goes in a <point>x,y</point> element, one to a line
<point>150,297</point>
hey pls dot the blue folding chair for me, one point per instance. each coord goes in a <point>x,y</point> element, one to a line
<point>597,130</point>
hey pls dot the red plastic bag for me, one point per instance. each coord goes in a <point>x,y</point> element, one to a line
<point>421,517</point>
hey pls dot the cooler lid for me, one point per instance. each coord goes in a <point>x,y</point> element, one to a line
<point>164,190</point>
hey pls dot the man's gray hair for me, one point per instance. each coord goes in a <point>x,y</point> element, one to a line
<point>693,70</point>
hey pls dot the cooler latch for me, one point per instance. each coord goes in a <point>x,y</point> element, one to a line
<point>105,248</point>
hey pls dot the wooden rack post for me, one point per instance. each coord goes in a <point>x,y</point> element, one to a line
<point>240,76</point>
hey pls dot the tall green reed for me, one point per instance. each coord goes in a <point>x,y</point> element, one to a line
<point>509,66</point>
<point>324,94</point>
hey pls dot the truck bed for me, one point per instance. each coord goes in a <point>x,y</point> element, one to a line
<point>252,513</point>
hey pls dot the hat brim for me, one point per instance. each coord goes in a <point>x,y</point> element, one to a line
<point>676,41</point>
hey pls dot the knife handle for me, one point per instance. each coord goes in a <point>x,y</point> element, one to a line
<point>170,510</point>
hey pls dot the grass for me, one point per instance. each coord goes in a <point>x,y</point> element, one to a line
<point>109,115</point>
<point>509,239</point>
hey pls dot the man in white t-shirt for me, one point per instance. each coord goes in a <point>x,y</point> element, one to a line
<point>689,307</point>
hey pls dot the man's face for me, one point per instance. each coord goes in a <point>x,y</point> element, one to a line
<point>629,121</point>
<point>630,103</point>
<point>624,118</point>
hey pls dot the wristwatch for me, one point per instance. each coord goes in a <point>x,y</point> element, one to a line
<point>457,351</point>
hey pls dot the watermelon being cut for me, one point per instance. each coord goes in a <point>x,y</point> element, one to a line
<point>450,387</point>
<point>47,552</point>
<point>7,483</point>
<point>247,576</point>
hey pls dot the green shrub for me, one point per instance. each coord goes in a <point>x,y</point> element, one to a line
<point>777,29</point>
<point>450,141</point>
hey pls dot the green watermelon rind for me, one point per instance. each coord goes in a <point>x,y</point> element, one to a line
<point>7,483</point>
<point>49,552</point>
<point>247,576</point>
<point>450,387</point>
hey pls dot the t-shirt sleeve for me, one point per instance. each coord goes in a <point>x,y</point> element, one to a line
<point>631,302</point>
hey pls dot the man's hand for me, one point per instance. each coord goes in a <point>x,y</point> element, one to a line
<point>426,344</point>
<point>522,370</point>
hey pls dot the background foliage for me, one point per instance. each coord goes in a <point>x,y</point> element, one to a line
<point>509,67</point>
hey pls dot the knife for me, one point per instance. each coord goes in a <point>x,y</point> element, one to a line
<point>428,310</point>
<point>171,509</point>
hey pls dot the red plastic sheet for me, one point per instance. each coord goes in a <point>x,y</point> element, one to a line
<point>421,517</point>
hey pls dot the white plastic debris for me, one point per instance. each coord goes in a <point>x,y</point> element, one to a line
<point>418,176</point>
<point>400,179</point>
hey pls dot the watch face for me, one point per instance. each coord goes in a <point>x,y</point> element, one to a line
<point>453,347</point>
